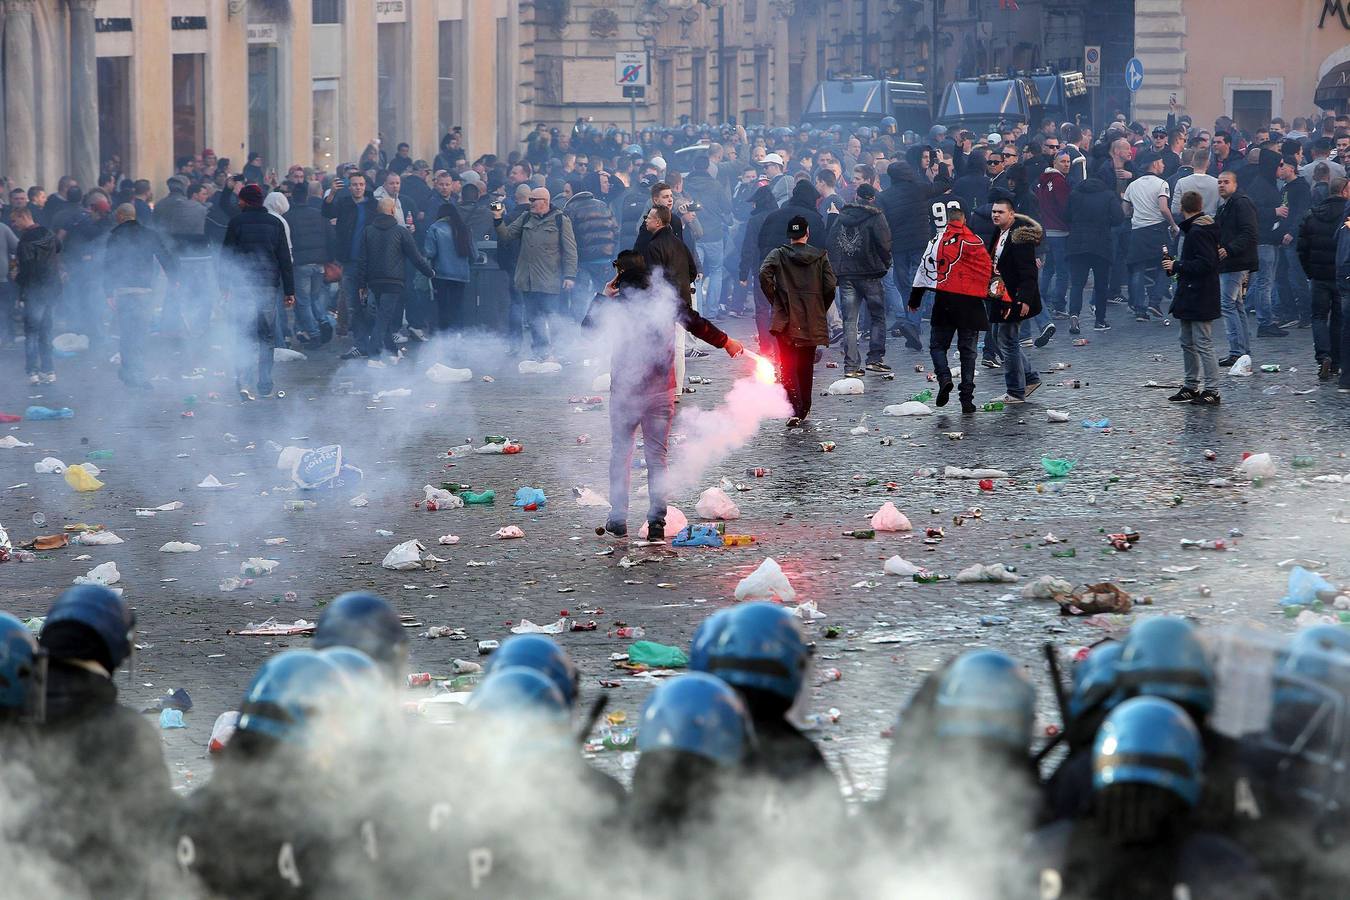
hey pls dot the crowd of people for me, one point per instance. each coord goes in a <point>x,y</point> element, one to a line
<point>380,253</point>
<point>325,783</point>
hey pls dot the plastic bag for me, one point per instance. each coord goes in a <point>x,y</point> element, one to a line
<point>482,498</point>
<point>530,367</point>
<point>715,504</point>
<point>9,442</point>
<point>171,718</point>
<point>442,498</point>
<point>406,556</point>
<point>212,483</point>
<point>898,565</point>
<point>256,566</point>
<point>958,472</point>
<point>395,394</point>
<point>1258,465</point>
<point>180,547</point>
<point>908,408</point>
<point>509,532</point>
<point>888,518</point>
<point>286,354</point>
<point>1054,415</point>
<point>766,583</point>
<point>979,573</point>
<point>1047,587</point>
<point>600,384</point>
<point>657,656</point>
<point>70,343</point>
<point>223,730</point>
<point>440,373</point>
<point>1242,368</point>
<point>45,412</point>
<point>324,468</point>
<point>846,386</point>
<point>79,478</point>
<point>807,611</point>
<point>587,497</point>
<point>104,574</point>
<point>676,521</point>
<point>1304,586</point>
<point>525,626</point>
<point>49,465</point>
<point>530,496</point>
<point>97,539</point>
<point>1056,468</point>
<point>697,536</point>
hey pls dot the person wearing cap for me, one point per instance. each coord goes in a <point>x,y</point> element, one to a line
<point>800,286</point>
<point>779,183</point>
<point>255,259</point>
<point>1151,229</point>
<point>546,265</point>
<point>957,267</point>
<point>129,274</point>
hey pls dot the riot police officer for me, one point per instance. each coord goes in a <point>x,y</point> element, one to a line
<point>365,622</point>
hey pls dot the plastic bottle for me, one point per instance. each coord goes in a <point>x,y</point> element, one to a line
<point>1216,544</point>
<point>99,454</point>
<point>1270,367</point>
<point>1303,462</point>
<point>629,632</point>
<point>1064,554</point>
<point>922,396</point>
<point>298,505</point>
<point>862,534</point>
<point>496,439</point>
<point>737,540</point>
<point>461,450</point>
<point>993,406</point>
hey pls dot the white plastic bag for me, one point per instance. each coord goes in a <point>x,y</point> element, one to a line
<point>508,532</point>
<point>1258,465</point>
<point>444,499</point>
<point>70,343</point>
<point>212,483</point>
<point>286,354</point>
<point>103,573</point>
<point>1242,368</point>
<point>448,540</point>
<point>525,626</point>
<point>715,504</point>
<point>96,538</point>
<point>958,472</point>
<point>256,566</point>
<point>1054,415</point>
<point>225,725</point>
<point>180,547</point>
<point>395,394</point>
<point>846,386</point>
<point>440,373</point>
<point>49,466</point>
<point>587,497</point>
<point>676,522</point>
<point>908,408</point>
<point>9,442</point>
<point>406,556</point>
<point>898,565</point>
<point>888,518</point>
<point>1046,588</point>
<point>766,583</point>
<point>600,384</point>
<point>981,573</point>
<point>807,611</point>
<point>530,367</point>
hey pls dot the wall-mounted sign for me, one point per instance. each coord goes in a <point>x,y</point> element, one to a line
<point>1336,9</point>
<point>391,11</point>
<point>262,33</point>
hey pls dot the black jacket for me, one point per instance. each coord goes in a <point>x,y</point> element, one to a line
<point>972,189</point>
<point>129,261</point>
<point>1236,219</point>
<point>224,207</point>
<point>478,218</point>
<point>906,205</point>
<point>860,242</point>
<point>1260,188</point>
<point>1317,239</point>
<point>1197,272</point>
<point>716,213</point>
<point>37,254</point>
<point>1017,267</point>
<point>1093,211</point>
<point>801,203</point>
<point>594,227</point>
<point>1297,196</point>
<point>312,238</point>
<point>343,208</point>
<point>755,247</point>
<point>255,249</point>
<point>668,252</point>
<point>379,264</point>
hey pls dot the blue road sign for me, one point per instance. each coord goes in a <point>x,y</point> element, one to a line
<point>1134,74</point>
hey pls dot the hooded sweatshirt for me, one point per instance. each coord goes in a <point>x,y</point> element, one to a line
<point>799,284</point>
<point>860,242</point>
<point>277,204</point>
<point>801,203</point>
<point>1265,196</point>
<point>755,248</point>
<point>1052,195</point>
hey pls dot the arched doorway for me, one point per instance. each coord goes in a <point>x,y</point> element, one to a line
<point>1333,91</point>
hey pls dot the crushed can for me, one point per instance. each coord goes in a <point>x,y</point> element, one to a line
<point>486,648</point>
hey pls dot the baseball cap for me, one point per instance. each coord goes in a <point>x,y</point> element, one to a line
<point>469,176</point>
<point>797,227</point>
<point>772,158</point>
<point>993,138</point>
<point>1159,131</point>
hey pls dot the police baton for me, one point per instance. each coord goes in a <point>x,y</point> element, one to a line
<point>592,716</point>
<point>1052,663</point>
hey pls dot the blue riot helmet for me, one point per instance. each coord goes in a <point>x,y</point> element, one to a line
<point>755,647</point>
<point>517,692</point>
<point>889,125</point>
<point>365,622</point>
<point>1094,679</point>
<point>89,621</point>
<point>290,694</point>
<point>1149,741</point>
<point>699,715</point>
<point>543,655</point>
<point>984,695</point>
<point>362,672</point>
<point>23,669</point>
<point>1318,653</point>
<point>1163,658</point>
<point>634,150</point>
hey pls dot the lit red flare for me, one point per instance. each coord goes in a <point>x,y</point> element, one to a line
<point>764,369</point>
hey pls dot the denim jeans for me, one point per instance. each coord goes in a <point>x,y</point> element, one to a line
<point>854,294</point>
<point>515,319</point>
<point>1079,267</point>
<point>940,342</point>
<point>387,308</point>
<point>1295,295</point>
<point>1262,284</point>
<point>1326,321</point>
<point>1197,353</point>
<point>712,263</point>
<point>9,295</point>
<point>1341,342</point>
<point>254,314</point>
<point>768,344</point>
<point>38,310</point>
<point>1017,371</point>
<point>1055,272</point>
<point>904,266</point>
<point>1234,313</point>
<point>591,279</point>
<point>653,412</point>
<point>133,324</point>
<point>359,322</point>
<point>539,308</point>
<point>1146,287</point>
<point>311,299</point>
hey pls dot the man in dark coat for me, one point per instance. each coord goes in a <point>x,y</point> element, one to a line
<point>38,279</point>
<point>860,253</point>
<point>351,207</point>
<point>129,281</point>
<point>381,278</point>
<point>1094,213</point>
<point>313,244</point>
<point>255,260</point>
<point>1294,301</point>
<point>757,245</point>
<point>800,285</point>
<point>1238,258</point>
<point>1259,182</point>
<point>1196,301</point>
<point>1013,250</point>
<point>1317,242</point>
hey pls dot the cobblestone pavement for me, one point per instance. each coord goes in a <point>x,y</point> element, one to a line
<point>1147,473</point>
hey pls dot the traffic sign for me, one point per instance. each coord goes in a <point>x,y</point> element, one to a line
<point>631,68</point>
<point>1092,65</point>
<point>634,91</point>
<point>1134,74</point>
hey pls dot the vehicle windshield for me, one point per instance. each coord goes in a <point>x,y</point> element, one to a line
<point>840,97</point>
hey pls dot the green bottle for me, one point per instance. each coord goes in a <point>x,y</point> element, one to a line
<point>861,534</point>
<point>1068,553</point>
<point>495,439</point>
<point>455,487</point>
<point>99,454</point>
<point>993,406</point>
<point>480,499</point>
<point>1304,462</point>
<point>923,396</point>
<point>923,576</point>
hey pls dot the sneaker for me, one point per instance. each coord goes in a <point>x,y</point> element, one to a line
<point>352,354</point>
<point>1292,323</point>
<point>1155,313</point>
<point>376,364</point>
<point>1028,342</point>
<point>1141,317</point>
<point>614,529</point>
<point>1324,370</point>
<point>1206,398</point>
<point>35,378</point>
<point>794,422</point>
<point>246,395</point>
<point>944,393</point>
<point>1006,399</point>
<point>990,362</point>
<point>855,373</point>
<point>417,334</point>
<point>1271,331</point>
<point>1185,395</point>
<point>878,367</point>
<point>1118,299</point>
<point>1046,334</point>
<point>1073,325</point>
<point>1227,361</point>
<point>696,354</point>
<point>656,533</point>
<point>1343,390</point>
<point>400,338</point>
<point>49,378</point>
<point>968,406</point>
<point>1102,326</point>
<point>1032,387</point>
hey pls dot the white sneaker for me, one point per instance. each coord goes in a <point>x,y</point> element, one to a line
<point>49,378</point>
<point>1007,399</point>
<point>1028,342</point>
<point>417,334</point>
<point>35,378</point>
<point>400,338</point>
